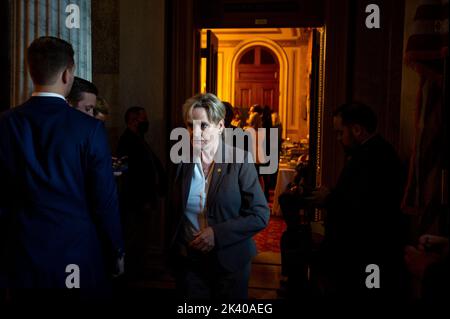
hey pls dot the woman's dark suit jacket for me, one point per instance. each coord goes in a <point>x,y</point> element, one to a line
<point>236,208</point>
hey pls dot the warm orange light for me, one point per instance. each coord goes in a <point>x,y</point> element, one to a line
<point>203,75</point>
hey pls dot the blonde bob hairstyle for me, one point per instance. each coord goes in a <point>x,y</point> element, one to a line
<point>214,108</point>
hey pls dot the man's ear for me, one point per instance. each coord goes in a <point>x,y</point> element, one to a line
<point>66,75</point>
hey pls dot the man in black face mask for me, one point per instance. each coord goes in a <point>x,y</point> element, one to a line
<point>142,185</point>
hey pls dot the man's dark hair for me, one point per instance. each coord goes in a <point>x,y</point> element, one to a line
<point>258,109</point>
<point>229,113</point>
<point>46,56</point>
<point>132,112</point>
<point>357,113</point>
<point>79,86</point>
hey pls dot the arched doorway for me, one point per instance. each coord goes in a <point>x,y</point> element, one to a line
<point>257,78</point>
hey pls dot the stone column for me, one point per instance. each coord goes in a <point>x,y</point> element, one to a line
<point>31,19</point>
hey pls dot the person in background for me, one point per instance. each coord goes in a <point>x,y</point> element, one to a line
<point>101,109</point>
<point>276,123</point>
<point>142,186</point>
<point>229,115</point>
<point>255,117</point>
<point>267,125</point>
<point>255,122</point>
<point>83,96</point>
<point>296,241</point>
<point>237,121</point>
<point>363,223</point>
<point>58,196</point>
<point>147,179</point>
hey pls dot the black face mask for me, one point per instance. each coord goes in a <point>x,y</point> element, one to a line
<point>143,127</point>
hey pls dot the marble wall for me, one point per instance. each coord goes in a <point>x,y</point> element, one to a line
<point>128,58</point>
<point>142,63</point>
<point>142,83</point>
<point>31,19</point>
<point>105,61</point>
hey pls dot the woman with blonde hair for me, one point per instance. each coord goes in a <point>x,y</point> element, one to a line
<point>218,205</point>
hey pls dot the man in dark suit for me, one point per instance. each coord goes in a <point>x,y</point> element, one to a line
<point>146,179</point>
<point>363,224</point>
<point>57,191</point>
<point>142,185</point>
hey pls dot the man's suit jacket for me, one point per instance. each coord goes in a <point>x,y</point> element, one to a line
<point>57,195</point>
<point>363,223</point>
<point>145,179</point>
<point>236,208</point>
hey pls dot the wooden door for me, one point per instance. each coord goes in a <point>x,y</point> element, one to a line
<point>211,53</point>
<point>5,80</point>
<point>244,95</point>
<point>316,109</point>
<point>257,78</point>
<point>267,94</point>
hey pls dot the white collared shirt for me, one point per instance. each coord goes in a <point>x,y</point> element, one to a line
<point>198,193</point>
<point>48,94</point>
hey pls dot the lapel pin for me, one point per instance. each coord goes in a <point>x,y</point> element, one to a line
<point>219,170</point>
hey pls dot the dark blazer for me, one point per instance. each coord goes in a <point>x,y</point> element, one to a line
<point>145,179</point>
<point>57,195</point>
<point>363,223</point>
<point>236,208</point>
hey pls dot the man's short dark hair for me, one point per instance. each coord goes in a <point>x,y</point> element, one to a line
<point>133,112</point>
<point>229,113</point>
<point>357,113</point>
<point>258,109</point>
<point>46,56</point>
<point>79,86</point>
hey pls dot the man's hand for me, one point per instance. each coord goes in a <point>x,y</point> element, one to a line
<point>417,261</point>
<point>434,243</point>
<point>293,190</point>
<point>204,240</point>
<point>119,267</point>
<point>431,249</point>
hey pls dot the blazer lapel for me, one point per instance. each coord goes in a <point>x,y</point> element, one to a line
<point>220,170</point>
<point>188,171</point>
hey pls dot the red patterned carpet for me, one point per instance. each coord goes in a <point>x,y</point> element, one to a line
<point>269,238</point>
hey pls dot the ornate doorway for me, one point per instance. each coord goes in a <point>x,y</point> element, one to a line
<point>257,78</point>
